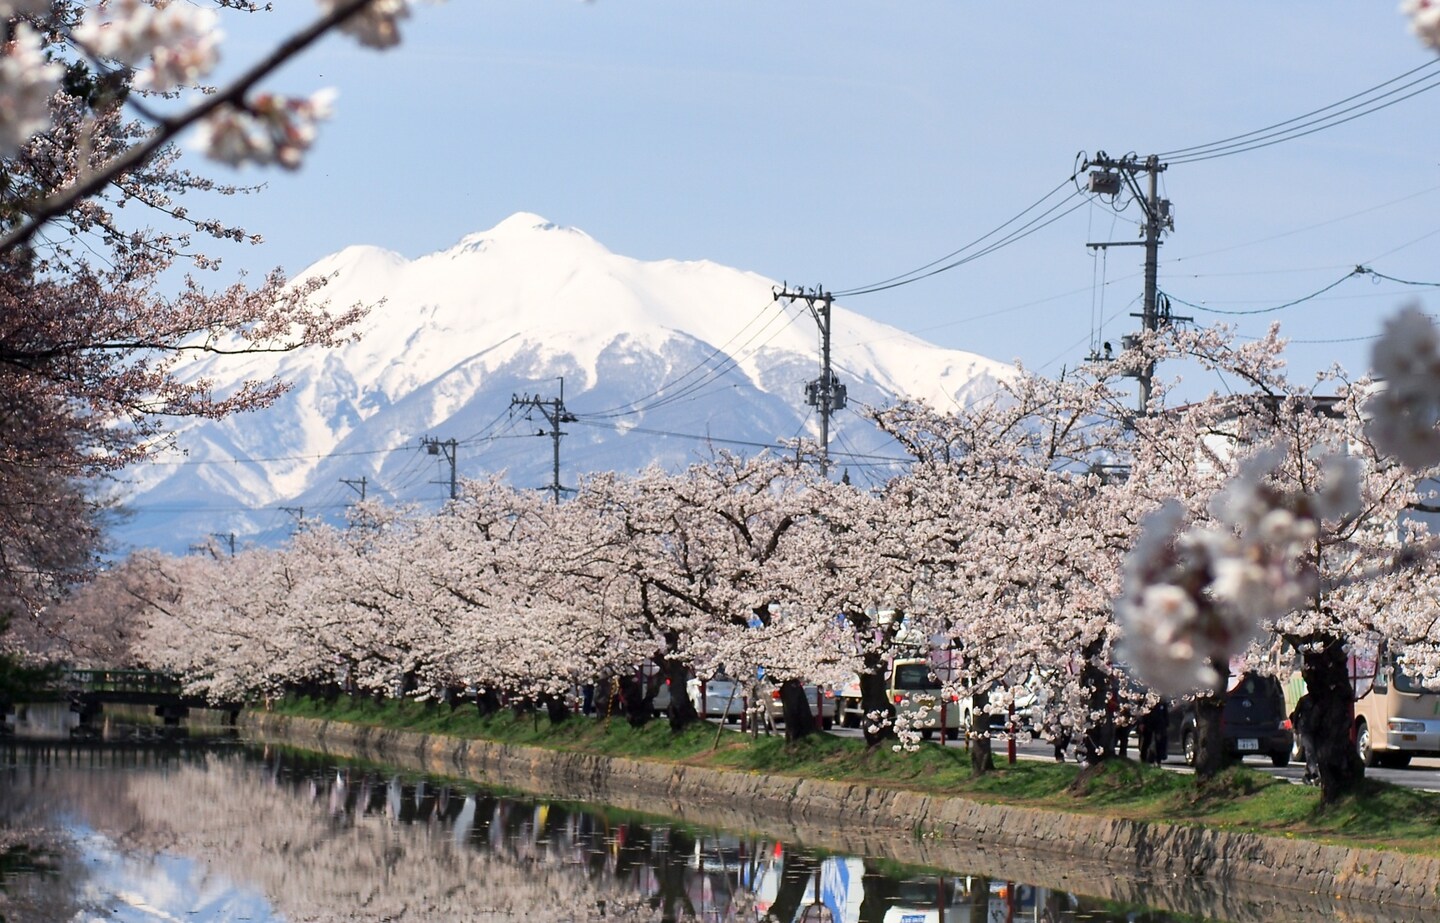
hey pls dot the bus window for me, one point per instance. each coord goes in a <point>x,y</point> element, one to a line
<point>1404,682</point>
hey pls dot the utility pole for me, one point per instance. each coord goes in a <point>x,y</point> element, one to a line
<point>446,448</point>
<point>825,393</point>
<point>228,538</point>
<point>298,512</point>
<point>356,485</point>
<point>1110,175</point>
<point>553,409</point>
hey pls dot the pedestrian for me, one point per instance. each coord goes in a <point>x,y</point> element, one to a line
<point>1155,734</point>
<point>1061,740</point>
<point>1303,719</point>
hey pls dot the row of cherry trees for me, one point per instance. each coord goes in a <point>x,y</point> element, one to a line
<point>1219,526</point>
<point>1223,527</point>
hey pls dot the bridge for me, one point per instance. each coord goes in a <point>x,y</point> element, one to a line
<point>89,690</point>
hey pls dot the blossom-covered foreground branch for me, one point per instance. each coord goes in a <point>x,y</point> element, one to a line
<point>1406,410</point>
<point>1196,597</point>
<point>158,48</point>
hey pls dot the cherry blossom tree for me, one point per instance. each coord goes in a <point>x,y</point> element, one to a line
<point>1285,522</point>
<point>93,343</point>
<point>1016,539</point>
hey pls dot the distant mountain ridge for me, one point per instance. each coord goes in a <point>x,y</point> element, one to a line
<point>654,356</point>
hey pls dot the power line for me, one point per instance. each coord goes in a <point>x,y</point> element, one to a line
<point>779,447</point>
<point>731,363</point>
<point>1038,223</point>
<point>1351,107</point>
<point>1357,271</point>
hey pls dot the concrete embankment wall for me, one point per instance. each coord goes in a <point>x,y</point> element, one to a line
<point>1192,870</point>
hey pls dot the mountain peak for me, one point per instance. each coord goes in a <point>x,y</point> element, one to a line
<point>695,351</point>
<point>519,226</point>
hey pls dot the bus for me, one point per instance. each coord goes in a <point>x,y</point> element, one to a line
<point>1397,715</point>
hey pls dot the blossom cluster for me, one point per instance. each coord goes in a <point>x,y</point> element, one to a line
<point>180,42</point>
<point>1195,597</point>
<point>378,25</point>
<point>1404,414</point>
<point>169,45</point>
<point>1424,20</point>
<point>270,129</point>
<point>27,82</point>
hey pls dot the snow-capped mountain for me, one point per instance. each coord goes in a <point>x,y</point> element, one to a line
<point>655,357</point>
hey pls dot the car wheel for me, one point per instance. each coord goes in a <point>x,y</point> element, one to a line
<point>827,723</point>
<point>927,734</point>
<point>1394,760</point>
<point>1280,759</point>
<point>1368,756</point>
<point>952,733</point>
<point>1187,745</point>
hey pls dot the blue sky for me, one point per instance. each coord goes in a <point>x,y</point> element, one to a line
<point>847,142</point>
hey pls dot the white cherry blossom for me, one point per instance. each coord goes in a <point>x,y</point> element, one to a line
<point>1424,20</point>
<point>1406,408</point>
<point>27,82</point>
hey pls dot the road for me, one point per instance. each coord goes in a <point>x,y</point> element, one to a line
<point>1423,773</point>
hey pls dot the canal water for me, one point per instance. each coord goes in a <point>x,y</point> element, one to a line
<point>219,830</point>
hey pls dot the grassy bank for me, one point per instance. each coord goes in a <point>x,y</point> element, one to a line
<point>1379,816</point>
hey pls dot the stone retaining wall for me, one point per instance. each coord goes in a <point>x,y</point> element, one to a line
<point>1193,870</point>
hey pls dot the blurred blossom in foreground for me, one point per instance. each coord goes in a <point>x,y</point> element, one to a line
<point>1424,20</point>
<point>180,41</point>
<point>27,81</point>
<point>270,129</point>
<point>1194,597</point>
<point>1404,413</point>
<point>378,26</point>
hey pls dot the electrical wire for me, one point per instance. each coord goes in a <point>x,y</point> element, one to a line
<point>629,407</point>
<point>1038,223</point>
<point>1359,270</point>
<point>777,446</point>
<point>954,253</point>
<point>1381,275</point>
<point>1351,107</point>
<point>700,386</point>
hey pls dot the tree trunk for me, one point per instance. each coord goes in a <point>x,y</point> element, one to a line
<point>636,700</point>
<point>1209,735</point>
<point>487,702</point>
<point>981,756</point>
<point>556,709</point>
<point>1327,679</point>
<point>682,711</point>
<point>795,707</point>
<point>1098,740</point>
<point>875,697</point>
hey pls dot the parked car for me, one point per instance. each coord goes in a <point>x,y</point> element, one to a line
<point>717,697</point>
<point>828,703</point>
<point>1254,722</point>
<point>919,698</point>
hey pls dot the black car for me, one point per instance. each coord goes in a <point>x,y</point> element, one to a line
<point>1253,722</point>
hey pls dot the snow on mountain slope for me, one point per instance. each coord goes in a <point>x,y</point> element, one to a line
<point>656,358</point>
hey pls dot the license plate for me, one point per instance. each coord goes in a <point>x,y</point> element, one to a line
<point>1247,743</point>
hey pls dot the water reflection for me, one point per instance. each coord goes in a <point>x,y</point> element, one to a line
<point>276,835</point>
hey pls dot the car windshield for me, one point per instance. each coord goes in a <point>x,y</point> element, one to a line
<point>1252,693</point>
<point>1404,682</point>
<point>913,676</point>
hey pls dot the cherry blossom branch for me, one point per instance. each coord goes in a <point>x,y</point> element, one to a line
<point>169,128</point>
